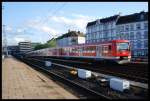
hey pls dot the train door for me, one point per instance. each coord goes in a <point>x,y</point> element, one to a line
<point>106,50</point>
<point>98,54</point>
<point>80,51</point>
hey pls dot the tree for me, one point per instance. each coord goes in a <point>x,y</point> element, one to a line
<point>50,43</point>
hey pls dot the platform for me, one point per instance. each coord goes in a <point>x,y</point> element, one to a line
<point>19,81</point>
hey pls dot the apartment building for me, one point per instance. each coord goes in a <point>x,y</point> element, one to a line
<point>133,27</point>
<point>25,47</point>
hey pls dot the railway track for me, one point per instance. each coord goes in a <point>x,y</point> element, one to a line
<point>89,88</point>
<point>132,73</point>
<point>86,92</point>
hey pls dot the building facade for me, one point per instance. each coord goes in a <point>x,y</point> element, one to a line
<point>13,50</point>
<point>132,27</point>
<point>70,38</point>
<point>25,47</point>
<point>101,30</point>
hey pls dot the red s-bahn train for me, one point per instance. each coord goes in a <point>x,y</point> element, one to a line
<point>117,51</point>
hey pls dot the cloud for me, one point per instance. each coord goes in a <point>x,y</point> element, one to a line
<point>45,29</point>
<point>49,30</point>
<point>59,24</point>
<point>19,30</point>
<point>78,21</point>
<point>9,29</point>
<point>19,39</point>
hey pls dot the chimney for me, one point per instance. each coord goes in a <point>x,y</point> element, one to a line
<point>68,30</point>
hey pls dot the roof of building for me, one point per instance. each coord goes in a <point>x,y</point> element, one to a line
<point>71,34</point>
<point>132,18</point>
<point>91,23</point>
<point>108,19</point>
<point>104,20</point>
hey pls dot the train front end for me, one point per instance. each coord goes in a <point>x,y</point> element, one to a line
<point>123,51</point>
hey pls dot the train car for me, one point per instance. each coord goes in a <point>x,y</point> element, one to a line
<point>116,50</point>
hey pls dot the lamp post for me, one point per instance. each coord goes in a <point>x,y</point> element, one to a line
<point>4,46</point>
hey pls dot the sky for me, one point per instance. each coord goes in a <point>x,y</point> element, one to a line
<point>41,21</point>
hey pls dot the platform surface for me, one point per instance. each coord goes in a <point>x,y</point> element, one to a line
<point>19,81</point>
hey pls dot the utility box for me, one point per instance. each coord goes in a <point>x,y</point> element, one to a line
<point>48,63</point>
<point>84,74</point>
<point>119,84</point>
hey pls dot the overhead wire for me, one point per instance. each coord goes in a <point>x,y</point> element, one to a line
<point>54,13</point>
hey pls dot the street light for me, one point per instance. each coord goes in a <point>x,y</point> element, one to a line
<point>4,47</point>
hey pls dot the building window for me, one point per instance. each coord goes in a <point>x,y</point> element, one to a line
<point>135,44</point>
<point>97,35</point>
<point>135,53</point>
<point>118,29</point>
<point>86,37</point>
<point>97,29</point>
<point>127,28</point>
<point>131,35</point>
<point>128,36</point>
<point>90,30</point>
<point>121,28</point>
<point>102,35</point>
<point>139,53</point>
<point>113,34</point>
<point>142,17</point>
<point>138,35</point>
<point>138,26</point>
<point>145,44</point>
<point>111,24</point>
<point>131,26</point>
<point>145,34</point>
<point>146,25</point>
<point>132,44</point>
<point>89,36</point>
<point>146,52</point>
<point>105,26</point>
<point>109,34</point>
<point>94,35</point>
<point>122,36</point>
<point>139,44</point>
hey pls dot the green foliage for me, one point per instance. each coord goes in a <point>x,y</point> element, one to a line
<point>50,43</point>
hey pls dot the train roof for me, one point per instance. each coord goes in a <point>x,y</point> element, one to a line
<point>98,43</point>
<point>90,44</point>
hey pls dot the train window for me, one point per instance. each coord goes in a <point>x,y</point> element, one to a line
<point>109,47</point>
<point>123,46</point>
<point>70,49</point>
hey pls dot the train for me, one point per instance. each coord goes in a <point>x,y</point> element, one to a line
<point>117,51</point>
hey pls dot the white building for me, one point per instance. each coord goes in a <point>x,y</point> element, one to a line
<point>25,47</point>
<point>132,27</point>
<point>101,29</point>
<point>71,38</point>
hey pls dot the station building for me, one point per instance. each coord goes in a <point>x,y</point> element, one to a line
<point>133,27</point>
